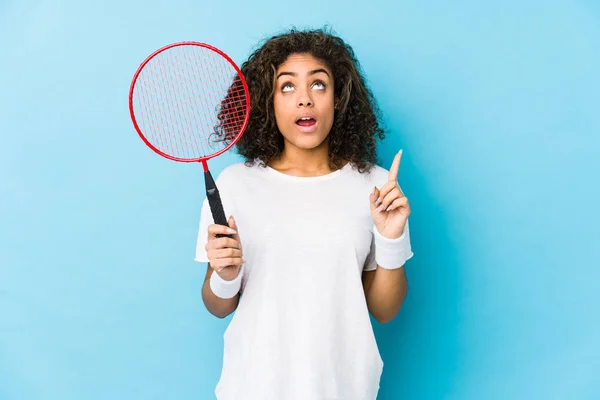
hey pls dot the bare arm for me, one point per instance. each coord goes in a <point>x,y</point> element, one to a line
<point>217,306</point>
<point>225,258</point>
<point>385,291</point>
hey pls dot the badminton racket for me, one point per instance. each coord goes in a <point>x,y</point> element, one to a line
<point>189,102</point>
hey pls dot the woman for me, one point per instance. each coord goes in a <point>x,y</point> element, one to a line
<point>319,232</point>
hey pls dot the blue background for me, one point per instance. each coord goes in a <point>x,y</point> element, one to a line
<point>496,107</point>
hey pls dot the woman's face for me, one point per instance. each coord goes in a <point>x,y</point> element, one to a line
<point>304,101</point>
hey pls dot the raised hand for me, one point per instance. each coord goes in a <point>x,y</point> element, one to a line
<point>390,215</point>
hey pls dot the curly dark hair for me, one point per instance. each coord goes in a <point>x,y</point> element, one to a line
<point>353,136</point>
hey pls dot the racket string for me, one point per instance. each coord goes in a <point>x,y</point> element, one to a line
<point>190,102</point>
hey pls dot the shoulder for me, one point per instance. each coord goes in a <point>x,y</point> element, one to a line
<point>234,169</point>
<point>379,172</point>
<point>234,172</point>
<point>377,175</point>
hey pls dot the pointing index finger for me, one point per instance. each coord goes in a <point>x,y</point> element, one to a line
<point>393,174</point>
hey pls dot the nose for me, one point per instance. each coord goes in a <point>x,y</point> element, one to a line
<point>304,99</point>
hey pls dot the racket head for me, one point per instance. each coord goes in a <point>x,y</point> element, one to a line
<point>183,93</point>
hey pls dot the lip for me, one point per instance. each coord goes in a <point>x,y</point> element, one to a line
<point>306,115</point>
<point>307,129</point>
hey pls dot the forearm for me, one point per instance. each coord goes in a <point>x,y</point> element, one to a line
<point>386,293</point>
<point>217,306</point>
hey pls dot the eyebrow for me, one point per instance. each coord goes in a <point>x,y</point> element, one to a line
<point>314,71</point>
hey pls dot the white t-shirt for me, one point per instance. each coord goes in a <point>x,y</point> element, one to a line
<point>302,328</point>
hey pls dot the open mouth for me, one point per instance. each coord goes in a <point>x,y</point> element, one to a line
<point>306,124</point>
<point>306,121</point>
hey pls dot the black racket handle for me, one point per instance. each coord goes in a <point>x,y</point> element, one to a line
<point>214,201</point>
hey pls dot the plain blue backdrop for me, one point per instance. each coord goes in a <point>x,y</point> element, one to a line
<point>497,108</point>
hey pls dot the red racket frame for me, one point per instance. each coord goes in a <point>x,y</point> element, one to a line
<point>200,159</point>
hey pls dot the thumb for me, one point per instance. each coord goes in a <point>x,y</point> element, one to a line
<point>373,198</point>
<point>231,222</point>
<point>233,225</point>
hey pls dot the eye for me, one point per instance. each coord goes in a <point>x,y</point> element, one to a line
<point>318,85</point>
<point>286,87</point>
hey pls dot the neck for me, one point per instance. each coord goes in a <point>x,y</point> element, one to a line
<point>301,162</point>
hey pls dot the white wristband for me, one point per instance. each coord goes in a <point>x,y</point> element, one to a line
<point>391,253</point>
<point>223,288</point>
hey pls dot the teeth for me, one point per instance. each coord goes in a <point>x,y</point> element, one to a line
<point>305,118</point>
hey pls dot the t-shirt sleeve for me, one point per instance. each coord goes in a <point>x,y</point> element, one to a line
<point>371,264</point>
<point>206,219</point>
